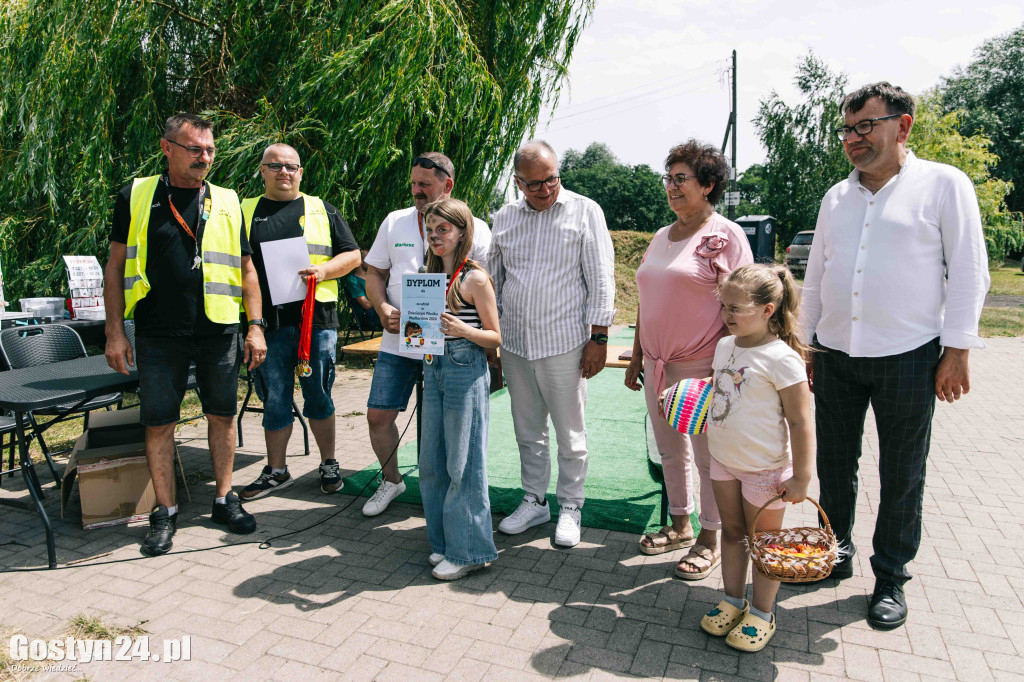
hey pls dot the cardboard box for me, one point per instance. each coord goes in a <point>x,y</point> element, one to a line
<point>113,481</point>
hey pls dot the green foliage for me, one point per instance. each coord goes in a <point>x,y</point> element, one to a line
<point>358,87</point>
<point>990,94</point>
<point>632,197</point>
<point>750,185</point>
<point>936,136</point>
<point>805,158</point>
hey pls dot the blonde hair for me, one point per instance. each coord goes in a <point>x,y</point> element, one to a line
<point>459,215</point>
<point>773,284</point>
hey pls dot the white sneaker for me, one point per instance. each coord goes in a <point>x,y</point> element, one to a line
<point>382,498</point>
<point>435,559</point>
<point>567,533</point>
<point>529,514</point>
<point>449,571</point>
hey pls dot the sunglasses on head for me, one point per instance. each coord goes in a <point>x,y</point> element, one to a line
<point>429,164</point>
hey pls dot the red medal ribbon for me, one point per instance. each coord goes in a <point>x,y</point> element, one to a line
<point>452,280</point>
<point>306,330</point>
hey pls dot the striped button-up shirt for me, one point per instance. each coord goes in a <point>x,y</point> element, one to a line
<point>554,274</point>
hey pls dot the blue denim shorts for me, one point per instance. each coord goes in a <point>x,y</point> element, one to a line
<point>275,378</point>
<point>163,364</point>
<point>394,377</point>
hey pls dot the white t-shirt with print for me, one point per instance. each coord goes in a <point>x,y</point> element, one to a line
<point>398,247</point>
<point>747,429</point>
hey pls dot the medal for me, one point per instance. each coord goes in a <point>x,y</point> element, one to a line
<point>303,369</point>
<point>428,358</point>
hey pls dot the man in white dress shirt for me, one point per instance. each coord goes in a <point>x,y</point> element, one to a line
<point>553,266</point>
<point>895,284</point>
<point>397,250</point>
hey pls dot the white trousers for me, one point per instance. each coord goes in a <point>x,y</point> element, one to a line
<point>551,386</point>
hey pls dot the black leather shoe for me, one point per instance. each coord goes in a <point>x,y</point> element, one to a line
<point>233,515</point>
<point>888,609</point>
<point>161,529</point>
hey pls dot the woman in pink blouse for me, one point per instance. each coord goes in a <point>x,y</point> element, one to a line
<point>677,328</point>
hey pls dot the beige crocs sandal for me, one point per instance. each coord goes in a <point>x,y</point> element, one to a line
<point>700,557</point>
<point>665,540</point>
<point>751,634</point>
<point>723,618</point>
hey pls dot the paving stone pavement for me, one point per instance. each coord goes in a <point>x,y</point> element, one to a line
<point>353,598</point>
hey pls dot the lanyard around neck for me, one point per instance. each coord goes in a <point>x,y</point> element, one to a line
<point>177,215</point>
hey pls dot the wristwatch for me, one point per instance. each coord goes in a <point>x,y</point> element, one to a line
<point>599,339</point>
<point>258,322</point>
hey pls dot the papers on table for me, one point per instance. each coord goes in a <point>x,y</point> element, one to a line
<point>85,281</point>
<point>282,260</point>
<point>422,304</point>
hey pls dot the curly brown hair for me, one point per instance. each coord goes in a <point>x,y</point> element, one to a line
<point>707,162</point>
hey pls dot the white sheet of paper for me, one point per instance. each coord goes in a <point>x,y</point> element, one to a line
<point>283,259</point>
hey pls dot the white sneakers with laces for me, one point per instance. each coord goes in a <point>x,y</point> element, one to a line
<point>449,571</point>
<point>529,514</point>
<point>567,533</point>
<point>387,492</point>
<point>435,558</point>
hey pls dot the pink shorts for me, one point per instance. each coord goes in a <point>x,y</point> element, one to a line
<point>757,487</point>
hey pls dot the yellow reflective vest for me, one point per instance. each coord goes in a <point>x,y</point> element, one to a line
<point>316,228</point>
<point>221,252</point>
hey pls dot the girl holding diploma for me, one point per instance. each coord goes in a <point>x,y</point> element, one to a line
<point>453,472</point>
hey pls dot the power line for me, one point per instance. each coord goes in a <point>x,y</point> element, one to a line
<point>635,106</point>
<point>717,66</point>
<point>633,98</point>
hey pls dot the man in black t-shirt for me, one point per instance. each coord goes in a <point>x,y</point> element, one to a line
<point>180,266</point>
<point>283,212</point>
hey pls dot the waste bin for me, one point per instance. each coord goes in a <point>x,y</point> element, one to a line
<point>760,231</point>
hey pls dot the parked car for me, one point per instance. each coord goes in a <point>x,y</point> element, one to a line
<point>797,252</point>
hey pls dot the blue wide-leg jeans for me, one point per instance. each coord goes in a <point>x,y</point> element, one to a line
<point>453,469</point>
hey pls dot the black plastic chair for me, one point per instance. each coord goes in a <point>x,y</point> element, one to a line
<point>7,427</point>
<point>40,345</point>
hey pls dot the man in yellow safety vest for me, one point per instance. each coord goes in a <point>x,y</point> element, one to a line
<point>284,212</point>
<point>180,267</point>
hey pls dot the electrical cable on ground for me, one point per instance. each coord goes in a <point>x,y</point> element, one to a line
<point>262,544</point>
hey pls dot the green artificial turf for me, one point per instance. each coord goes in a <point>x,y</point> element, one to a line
<point>623,491</point>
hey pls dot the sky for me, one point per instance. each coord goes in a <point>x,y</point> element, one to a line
<point>648,74</point>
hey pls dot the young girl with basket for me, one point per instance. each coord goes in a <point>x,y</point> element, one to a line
<point>453,471</point>
<point>760,404</point>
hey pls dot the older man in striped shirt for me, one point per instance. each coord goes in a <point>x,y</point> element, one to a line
<point>553,266</point>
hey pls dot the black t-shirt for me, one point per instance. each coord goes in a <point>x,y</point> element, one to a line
<point>174,304</point>
<point>274,220</point>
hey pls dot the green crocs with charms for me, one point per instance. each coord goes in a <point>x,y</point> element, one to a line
<point>723,618</point>
<point>752,634</point>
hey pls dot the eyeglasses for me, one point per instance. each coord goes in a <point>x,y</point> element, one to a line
<point>429,164</point>
<point>287,167</point>
<point>862,128</point>
<point>195,151</point>
<point>550,183</point>
<point>676,180</point>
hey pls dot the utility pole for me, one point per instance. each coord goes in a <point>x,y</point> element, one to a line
<point>735,125</point>
<point>730,128</point>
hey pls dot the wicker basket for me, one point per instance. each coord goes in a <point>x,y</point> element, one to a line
<point>791,569</point>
